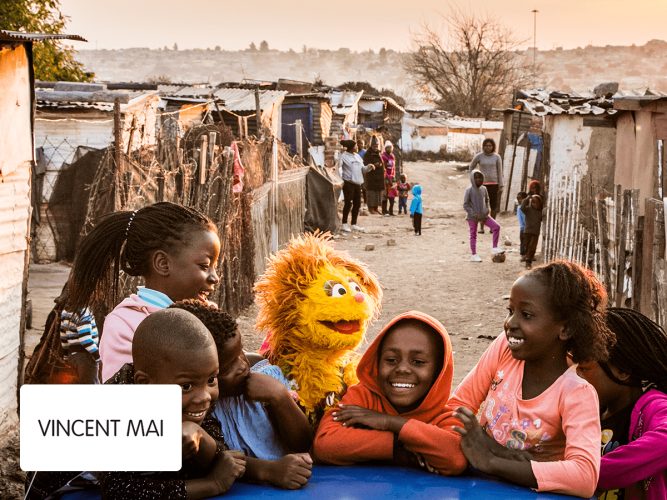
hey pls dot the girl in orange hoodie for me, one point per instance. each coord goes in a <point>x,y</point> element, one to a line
<point>396,411</point>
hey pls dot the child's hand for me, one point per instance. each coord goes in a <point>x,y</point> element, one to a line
<point>356,416</point>
<point>192,435</point>
<point>474,434</point>
<point>227,468</point>
<point>264,388</point>
<point>474,444</point>
<point>292,471</point>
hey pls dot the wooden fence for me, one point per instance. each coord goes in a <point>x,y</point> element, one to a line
<point>604,232</point>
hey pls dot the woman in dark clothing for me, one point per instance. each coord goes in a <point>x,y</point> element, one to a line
<point>374,178</point>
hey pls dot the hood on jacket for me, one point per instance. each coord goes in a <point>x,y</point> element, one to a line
<point>472,176</point>
<point>417,190</point>
<point>434,401</point>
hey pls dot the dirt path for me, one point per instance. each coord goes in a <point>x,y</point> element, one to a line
<point>432,272</point>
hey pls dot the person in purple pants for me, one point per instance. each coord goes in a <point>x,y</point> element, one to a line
<point>477,207</point>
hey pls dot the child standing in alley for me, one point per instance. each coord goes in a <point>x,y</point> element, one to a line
<point>403,190</point>
<point>392,193</point>
<point>417,209</point>
<point>532,208</point>
<point>521,195</point>
<point>476,205</point>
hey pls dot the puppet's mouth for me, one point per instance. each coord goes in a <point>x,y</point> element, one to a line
<point>345,327</point>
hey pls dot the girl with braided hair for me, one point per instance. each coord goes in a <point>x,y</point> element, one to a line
<point>539,422</point>
<point>175,250</point>
<point>632,388</point>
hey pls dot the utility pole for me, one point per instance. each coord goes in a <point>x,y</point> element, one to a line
<point>534,11</point>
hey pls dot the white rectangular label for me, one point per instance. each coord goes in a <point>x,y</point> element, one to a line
<point>101,427</point>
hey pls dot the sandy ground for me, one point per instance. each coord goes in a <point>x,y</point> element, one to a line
<point>431,273</point>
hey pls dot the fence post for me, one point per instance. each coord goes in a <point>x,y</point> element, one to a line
<point>258,113</point>
<point>299,137</point>
<point>118,145</point>
<point>274,196</point>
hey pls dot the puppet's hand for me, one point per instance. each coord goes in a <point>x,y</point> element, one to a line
<point>356,416</point>
<point>350,371</point>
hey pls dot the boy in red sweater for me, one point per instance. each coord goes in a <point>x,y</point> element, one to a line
<point>395,413</point>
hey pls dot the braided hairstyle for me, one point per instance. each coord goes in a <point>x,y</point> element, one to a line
<point>124,241</point>
<point>578,298</point>
<point>222,326</point>
<point>640,350</point>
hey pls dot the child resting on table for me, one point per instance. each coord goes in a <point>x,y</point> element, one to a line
<point>632,387</point>
<point>173,347</point>
<point>539,422</point>
<point>396,411</point>
<point>256,410</point>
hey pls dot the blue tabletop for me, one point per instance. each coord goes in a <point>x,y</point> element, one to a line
<point>365,482</point>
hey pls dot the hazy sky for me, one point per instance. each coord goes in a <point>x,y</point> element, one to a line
<point>356,24</point>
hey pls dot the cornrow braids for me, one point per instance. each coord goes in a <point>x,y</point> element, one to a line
<point>578,298</point>
<point>641,347</point>
<point>222,326</point>
<point>123,241</point>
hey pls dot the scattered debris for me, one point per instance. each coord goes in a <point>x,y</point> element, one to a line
<point>506,297</point>
<point>487,337</point>
<point>391,243</point>
<point>369,248</point>
<point>466,338</point>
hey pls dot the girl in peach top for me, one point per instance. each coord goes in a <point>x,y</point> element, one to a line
<point>539,423</point>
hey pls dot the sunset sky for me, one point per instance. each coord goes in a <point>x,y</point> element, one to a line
<point>356,24</point>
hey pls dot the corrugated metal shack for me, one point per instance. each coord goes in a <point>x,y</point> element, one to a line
<point>447,134</point>
<point>16,145</point>
<point>73,119</point>
<point>345,108</point>
<point>314,111</point>
<point>384,114</point>
<point>236,106</point>
<point>604,169</point>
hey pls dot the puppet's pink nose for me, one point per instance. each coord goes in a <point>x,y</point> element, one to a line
<point>359,297</point>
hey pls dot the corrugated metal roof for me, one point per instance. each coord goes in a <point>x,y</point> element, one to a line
<point>102,100</point>
<point>426,122</point>
<point>193,92</point>
<point>541,102</point>
<point>343,102</point>
<point>471,123</point>
<point>244,99</point>
<point>18,36</point>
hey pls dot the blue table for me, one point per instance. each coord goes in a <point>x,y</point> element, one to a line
<point>365,482</point>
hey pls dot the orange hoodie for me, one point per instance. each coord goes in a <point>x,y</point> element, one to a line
<point>428,433</point>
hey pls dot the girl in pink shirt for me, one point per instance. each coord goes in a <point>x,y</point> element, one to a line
<point>632,387</point>
<point>175,250</point>
<point>539,423</point>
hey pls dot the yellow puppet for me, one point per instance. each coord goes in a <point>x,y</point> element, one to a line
<point>315,303</point>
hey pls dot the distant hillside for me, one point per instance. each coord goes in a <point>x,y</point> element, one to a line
<point>578,69</point>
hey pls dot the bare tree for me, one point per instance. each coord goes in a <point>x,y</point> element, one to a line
<point>473,68</point>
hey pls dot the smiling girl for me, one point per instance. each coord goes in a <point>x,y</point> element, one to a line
<point>395,413</point>
<point>539,423</point>
<point>175,249</point>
